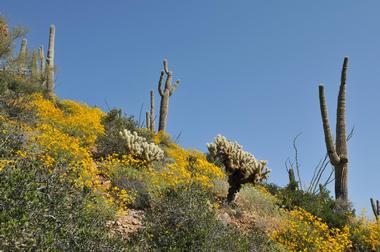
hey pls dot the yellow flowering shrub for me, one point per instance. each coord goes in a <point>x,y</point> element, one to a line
<point>55,147</point>
<point>301,231</point>
<point>366,234</point>
<point>115,167</point>
<point>181,170</point>
<point>71,117</point>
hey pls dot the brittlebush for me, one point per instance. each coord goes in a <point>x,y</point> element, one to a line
<point>366,234</point>
<point>302,231</point>
<point>73,118</point>
<point>184,167</point>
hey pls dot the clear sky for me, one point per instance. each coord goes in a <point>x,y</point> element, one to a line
<point>249,70</point>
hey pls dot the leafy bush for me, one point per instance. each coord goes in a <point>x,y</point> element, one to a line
<point>11,138</point>
<point>130,174</point>
<point>320,205</point>
<point>365,234</point>
<point>43,210</point>
<point>184,221</point>
<point>112,142</point>
<point>301,231</point>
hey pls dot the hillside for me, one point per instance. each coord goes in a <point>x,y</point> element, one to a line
<point>76,178</point>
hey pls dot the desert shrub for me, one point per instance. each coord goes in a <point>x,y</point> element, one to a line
<point>112,142</point>
<point>183,167</point>
<point>365,234</point>
<point>162,139</point>
<point>130,174</point>
<point>43,210</point>
<point>320,205</point>
<point>11,138</point>
<point>301,231</point>
<point>72,118</point>
<point>184,221</point>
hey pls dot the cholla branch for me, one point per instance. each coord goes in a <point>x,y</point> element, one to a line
<point>242,166</point>
<point>139,147</point>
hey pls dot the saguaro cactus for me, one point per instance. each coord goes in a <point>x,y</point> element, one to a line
<point>152,112</point>
<point>338,154</point>
<point>147,120</point>
<point>35,71</point>
<point>165,94</point>
<point>50,60</point>
<point>293,184</point>
<point>22,56</point>
<point>375,208</point>
<point>41,56</point>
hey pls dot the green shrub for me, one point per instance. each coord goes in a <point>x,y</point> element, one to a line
<point>11,139</point>
<point>43,210</point>
<point>184,221</point>
<point>111,142</point>
<point>321,205</point>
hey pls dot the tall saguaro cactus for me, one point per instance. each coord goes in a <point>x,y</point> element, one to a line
<point>165,94</point>
<point>152,112</point>
<point>147,120</point>
<point>338,154</point>
<point>34,70</point>
<point>50,60</point>
<point>41,56</point>
<point>22,56</point>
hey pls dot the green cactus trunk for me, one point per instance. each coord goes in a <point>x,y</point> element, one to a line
<point>50,61</point>
<point>41,56</point>
<point>147,120</point>
<point>338,154</point>
<point>152,112</point>
<point>165,95</point>
<point>375,208</point>
<point>22,57</point>
<point>35,71</point>
<point>293,184</point>
<point>164,108</point>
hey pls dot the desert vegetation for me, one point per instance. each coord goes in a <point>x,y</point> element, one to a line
<point>76,178</point>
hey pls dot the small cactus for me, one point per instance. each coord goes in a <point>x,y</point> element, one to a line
<point>375,208</point>
<point>152,112</point>
<point>139,147</point>
<point>165,94</point>
<point>293,184</point>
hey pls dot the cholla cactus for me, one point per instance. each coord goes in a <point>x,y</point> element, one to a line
<point>139,147</point>
<point>242,166</point>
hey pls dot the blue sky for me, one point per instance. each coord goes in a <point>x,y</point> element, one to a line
<point>249,70</point>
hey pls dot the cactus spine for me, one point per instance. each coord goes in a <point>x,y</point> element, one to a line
<point>152,112</point>
<point>50,60</point>
<point>165,94</point>
<point>375,208</point>
<point>338,154</point>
